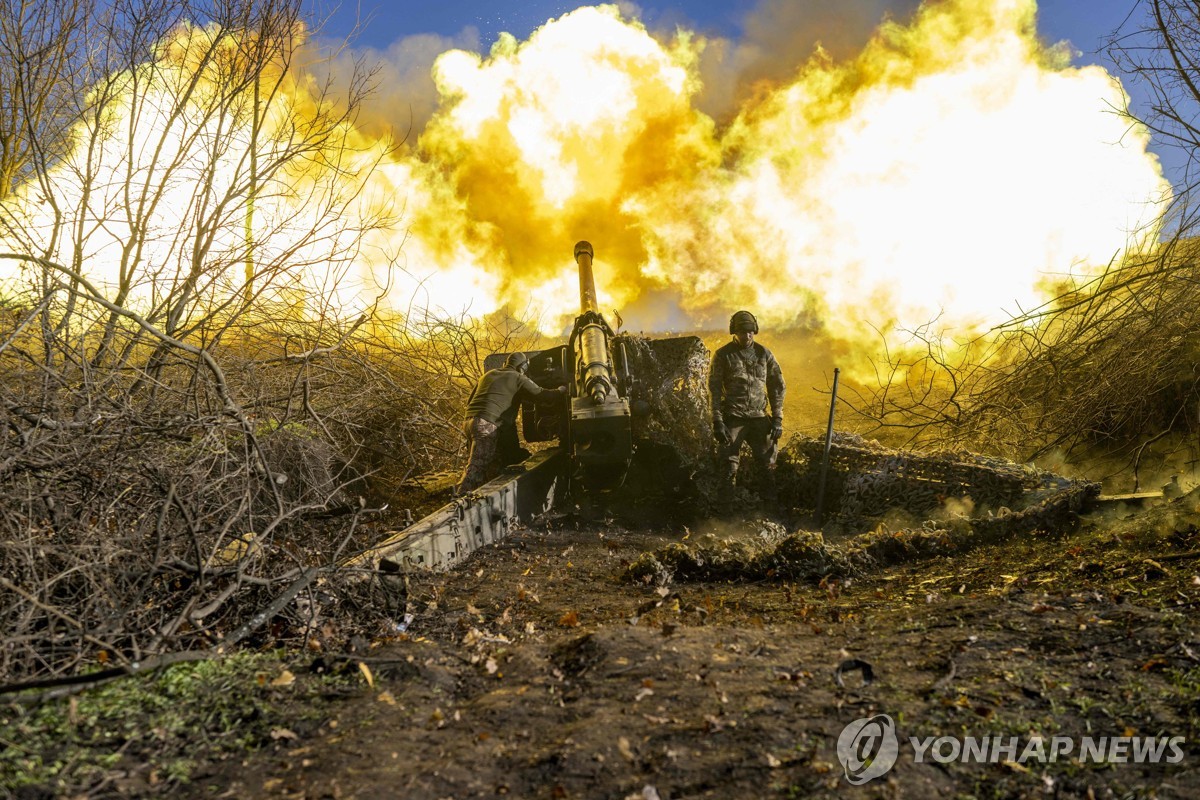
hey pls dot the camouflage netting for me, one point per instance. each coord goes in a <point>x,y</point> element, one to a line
<point>866,479</point>
<point>673,461</point>
<point>913,483</point>
<point>672,381</point>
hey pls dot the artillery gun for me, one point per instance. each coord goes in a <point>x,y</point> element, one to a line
<point>633,402</point>
<point>597,428</point>
<point>633,397</point>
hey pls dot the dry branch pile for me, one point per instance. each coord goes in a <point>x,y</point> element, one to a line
<point>194,423</point>
<point>148,508</point>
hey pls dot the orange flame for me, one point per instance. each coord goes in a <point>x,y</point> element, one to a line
<point>952,166</point>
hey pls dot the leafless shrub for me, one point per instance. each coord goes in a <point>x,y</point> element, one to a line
<point>1104,371</point>
<point>163,514</point>
<point>189,423</point>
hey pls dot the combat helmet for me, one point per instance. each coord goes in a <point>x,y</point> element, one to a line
<point>743,321</point>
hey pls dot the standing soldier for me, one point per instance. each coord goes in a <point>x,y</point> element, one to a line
<point>744,379</point>
<point>495,393</point>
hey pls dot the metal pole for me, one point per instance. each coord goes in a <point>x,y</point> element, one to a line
<point>828,443</point>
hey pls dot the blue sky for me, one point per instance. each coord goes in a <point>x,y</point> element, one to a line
<point>1084,23</point>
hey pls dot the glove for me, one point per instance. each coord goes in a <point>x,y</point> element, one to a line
<point>777,429</point>
<point>721,432</point>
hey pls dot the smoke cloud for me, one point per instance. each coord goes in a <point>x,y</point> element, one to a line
<point>834,168</point>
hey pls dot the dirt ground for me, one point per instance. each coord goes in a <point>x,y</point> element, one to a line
<point>536,671</point>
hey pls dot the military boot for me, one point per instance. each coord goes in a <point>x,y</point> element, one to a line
<point>770,491</point>
<point>729,478</point>
<point>726,500</point>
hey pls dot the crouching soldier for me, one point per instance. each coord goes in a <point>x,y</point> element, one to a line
<point>744,380</point>
<point>492,397</point>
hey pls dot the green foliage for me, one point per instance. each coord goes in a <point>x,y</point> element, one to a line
<point>165,723</point>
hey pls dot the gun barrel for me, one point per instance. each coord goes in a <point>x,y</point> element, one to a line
<point>595,370</point>
<point>587,281</point>
<point>600,430</point>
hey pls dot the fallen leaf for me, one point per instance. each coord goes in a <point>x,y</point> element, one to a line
<point>569,620</point>
<point>366,671</point>
<point>286,678</point>
<point>387,698</point>
<point>283,733</point>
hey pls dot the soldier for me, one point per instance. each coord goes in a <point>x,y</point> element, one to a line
<point>491,398</point>
<point>744,379</point>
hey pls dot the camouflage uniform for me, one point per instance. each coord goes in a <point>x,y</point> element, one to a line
<point>490,401</point>
<point>743,381</point>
